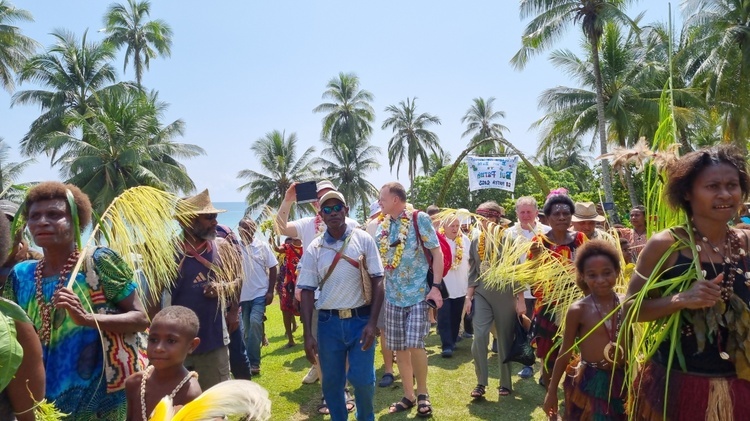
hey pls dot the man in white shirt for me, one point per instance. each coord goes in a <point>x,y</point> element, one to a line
<point>259,265</point>
<point>346,328</point>
<point>306,229</point>
<point>527,227</point>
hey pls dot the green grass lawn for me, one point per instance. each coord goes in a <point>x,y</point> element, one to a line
<point>450,382</point>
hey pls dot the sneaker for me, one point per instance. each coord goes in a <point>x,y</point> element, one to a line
<point>526,373</point>
<point>311,376</point>
<point>254,370</point>
<point>467,335</point>
<point>447,353</point>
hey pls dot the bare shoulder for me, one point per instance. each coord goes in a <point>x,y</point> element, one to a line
<point>193,389</point>
<point>577,308</point>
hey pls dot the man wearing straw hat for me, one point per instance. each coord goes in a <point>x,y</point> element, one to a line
<point>584,220</point>
<point>195,288</point>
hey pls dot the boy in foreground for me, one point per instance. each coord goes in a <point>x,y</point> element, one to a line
<point>172,336</point>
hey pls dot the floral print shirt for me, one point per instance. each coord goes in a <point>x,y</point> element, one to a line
<point>406,284</point>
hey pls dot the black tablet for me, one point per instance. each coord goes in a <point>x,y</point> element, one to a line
<point>306,192</point>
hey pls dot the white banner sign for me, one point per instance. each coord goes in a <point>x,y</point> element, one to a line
<point>492,172</point>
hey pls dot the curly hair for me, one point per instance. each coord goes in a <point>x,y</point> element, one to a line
<point>558,199</point>
<point>591,249</point>
<point>186,318</point>
<point>683,172</point>
<point>51,190</point>
<point>5,240</point>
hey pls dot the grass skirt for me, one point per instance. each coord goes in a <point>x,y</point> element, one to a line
<point>690,396</point>
<point>545,330</point>
<point>588,395</point>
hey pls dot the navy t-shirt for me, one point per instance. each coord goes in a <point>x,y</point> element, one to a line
<point>188,291</point>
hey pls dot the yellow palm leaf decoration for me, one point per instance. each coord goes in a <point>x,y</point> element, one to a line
<point>232,397</point>
<point>140,225</point>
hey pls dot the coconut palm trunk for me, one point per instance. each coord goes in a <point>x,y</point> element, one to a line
<point>606,171</point>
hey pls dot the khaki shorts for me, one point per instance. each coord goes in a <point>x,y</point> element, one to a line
<point>212,366</point>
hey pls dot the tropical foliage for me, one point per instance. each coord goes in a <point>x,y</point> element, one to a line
<point>550,19</point>
<point>10,172</point>
<point>15,47</point>
<point>75,72</point>
<point>122,144</point>
<point>279,167</point>
<point>412,141</point>
<point>480,124</point>
<point>126,27</point>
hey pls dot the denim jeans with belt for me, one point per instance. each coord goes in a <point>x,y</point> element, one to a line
<point>338,341</point>
<point>252,322</point>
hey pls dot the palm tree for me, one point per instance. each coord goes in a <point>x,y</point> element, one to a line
<point>630,98</point>
<point>435,162</point>
<point>144,40</point>
<point>411,139</point>
<point>277,154</point>
<point>479,119</point>
<point>346,164</point>
<point>123,144</point>
<point>10,172</point>
<point>551,18</point>
<point>75,72</point>
<point>349,114</point>
<point>720,33</point>
<point>15,47</point>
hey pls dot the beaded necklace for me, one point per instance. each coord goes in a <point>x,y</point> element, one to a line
<point>732,256</point>
<point>146,375</point>
<point>46,307</point>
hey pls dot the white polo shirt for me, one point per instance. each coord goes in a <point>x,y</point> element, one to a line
<point>343,289</point>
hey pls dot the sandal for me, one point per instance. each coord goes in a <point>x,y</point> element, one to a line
<point>504,391</point>
<point>401,406</point>
<point>323,408</point>
<point>350,405</point>
<point>424,406</point>
<point>387,380</point>
<point>478,392</point>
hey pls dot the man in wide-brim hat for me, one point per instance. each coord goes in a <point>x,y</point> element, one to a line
<point>194,288</point>
<point>585,218</point>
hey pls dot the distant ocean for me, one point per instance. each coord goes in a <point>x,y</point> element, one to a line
<point>234,212</point>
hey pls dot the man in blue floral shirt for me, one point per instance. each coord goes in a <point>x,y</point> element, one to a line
<point>406,267</point>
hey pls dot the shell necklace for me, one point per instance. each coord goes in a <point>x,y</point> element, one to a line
<point>146,375</point>
<point>46,307</point>
<point>612,350</point>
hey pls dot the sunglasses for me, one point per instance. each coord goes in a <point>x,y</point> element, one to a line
<point>330,209</point>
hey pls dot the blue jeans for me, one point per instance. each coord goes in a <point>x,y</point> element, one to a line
<point>338,341</point>
<point>449,321</point>
<point>238,362</point>
<point>252,322</point>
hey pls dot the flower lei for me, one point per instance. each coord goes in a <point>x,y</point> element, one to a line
<point>481,246</point>
<point>385,227</point>
<point>459,255</point>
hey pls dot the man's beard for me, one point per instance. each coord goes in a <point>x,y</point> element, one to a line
<point>208,234</point>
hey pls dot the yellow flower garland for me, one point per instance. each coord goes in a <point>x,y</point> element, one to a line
<point>459,249</point>
<point>403,230</point>
<point>481,247</point>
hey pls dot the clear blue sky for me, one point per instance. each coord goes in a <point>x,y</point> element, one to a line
<point>240,69</point>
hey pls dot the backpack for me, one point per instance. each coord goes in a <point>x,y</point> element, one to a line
<point>444,246</point>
